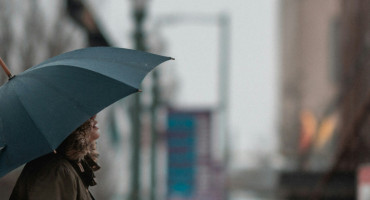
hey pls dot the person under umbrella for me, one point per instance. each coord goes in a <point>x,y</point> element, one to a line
<point>66,173</point>
<point>41,106</point>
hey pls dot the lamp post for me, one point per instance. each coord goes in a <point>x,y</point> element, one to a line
<point>139,14</point>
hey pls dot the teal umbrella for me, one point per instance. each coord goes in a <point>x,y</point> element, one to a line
<point>40,107</point>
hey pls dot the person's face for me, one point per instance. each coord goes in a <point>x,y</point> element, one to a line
<point>94,129</point>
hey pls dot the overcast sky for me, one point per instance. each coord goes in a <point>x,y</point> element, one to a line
<point>253,60</point>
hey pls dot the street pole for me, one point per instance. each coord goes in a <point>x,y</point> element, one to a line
<point>154,135</point>
<point>224,25</point>
<point>224,76</point>
<point>138,36</point>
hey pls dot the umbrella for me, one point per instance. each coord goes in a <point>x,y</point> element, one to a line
<point>40,107</point>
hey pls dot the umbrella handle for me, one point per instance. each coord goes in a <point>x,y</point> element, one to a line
<point>6,70</point>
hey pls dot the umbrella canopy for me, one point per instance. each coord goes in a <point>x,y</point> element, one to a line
<point>40,107</point>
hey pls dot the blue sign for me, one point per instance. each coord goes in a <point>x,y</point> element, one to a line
<point>181,143</point>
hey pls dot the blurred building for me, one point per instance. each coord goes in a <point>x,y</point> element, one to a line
<point>355,85</point>
<point>310,81</point>
<point>324,97</point>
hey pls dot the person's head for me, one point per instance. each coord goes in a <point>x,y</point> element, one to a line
<point>81,142</point>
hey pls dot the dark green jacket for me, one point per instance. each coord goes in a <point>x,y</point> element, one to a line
<point>51,177</point>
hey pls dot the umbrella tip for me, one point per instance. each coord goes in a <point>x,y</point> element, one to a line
<point>2,148</point>
<point>172,58</point>
<point>55,151</point>
<point>139,90</point>
<point>6,69</point>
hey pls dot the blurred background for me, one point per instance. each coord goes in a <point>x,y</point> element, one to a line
<point>266,99</point>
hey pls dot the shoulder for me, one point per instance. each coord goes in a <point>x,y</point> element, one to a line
<point>49,166</point>
<point>50,160</point>
<point>47,177</point>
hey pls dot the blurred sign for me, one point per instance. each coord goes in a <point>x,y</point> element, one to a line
<point>189,155</point>
<point>181,155</point>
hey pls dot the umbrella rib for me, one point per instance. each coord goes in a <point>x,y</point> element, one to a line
<point>84,69</point>
<point>90,70</point>
<point>63,93</point>
<point>38,128</point>
<point>106,76</point>
<point>51,85</point>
